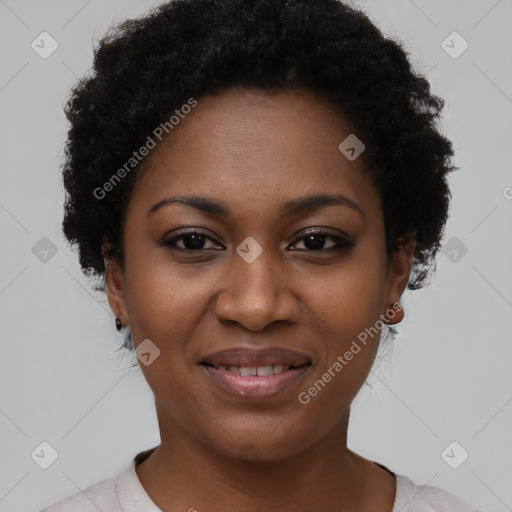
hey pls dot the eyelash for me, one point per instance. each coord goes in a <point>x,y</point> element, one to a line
<point>341,242</point>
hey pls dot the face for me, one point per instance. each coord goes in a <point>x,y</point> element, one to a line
<point>258,268</point>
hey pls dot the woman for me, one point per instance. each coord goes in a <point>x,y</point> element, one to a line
<point>258,183</point>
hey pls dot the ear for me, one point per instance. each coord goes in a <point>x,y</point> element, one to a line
<point>399,271</point>
<point>114,279</point>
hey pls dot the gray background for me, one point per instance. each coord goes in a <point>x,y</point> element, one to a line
<point>448,376</point>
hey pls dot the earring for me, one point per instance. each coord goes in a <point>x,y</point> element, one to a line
<point>119,324</point>
<point>394,315</point>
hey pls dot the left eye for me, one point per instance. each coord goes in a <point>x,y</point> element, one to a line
<point>314,241</point>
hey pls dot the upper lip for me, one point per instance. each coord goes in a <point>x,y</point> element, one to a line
<point>256,357</point>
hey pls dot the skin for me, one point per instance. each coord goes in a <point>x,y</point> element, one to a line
<point>253,151</point>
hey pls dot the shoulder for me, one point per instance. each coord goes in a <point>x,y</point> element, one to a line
<point>99,496</point>
<point>424,498</point>
<point>120,493</point>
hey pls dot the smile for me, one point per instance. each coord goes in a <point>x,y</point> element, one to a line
<point>252,371</point>
<point>255,382</point>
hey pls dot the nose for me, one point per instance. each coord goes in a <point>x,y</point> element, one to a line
<point>255,295</point>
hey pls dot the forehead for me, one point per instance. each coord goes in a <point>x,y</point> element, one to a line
<point>242,146</point>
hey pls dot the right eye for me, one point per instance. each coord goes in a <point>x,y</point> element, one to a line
<point>191,241</point>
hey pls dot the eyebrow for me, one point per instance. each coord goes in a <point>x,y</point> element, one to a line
<point>292,207</point>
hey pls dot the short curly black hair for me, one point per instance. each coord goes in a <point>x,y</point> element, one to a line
<point>147,68</point>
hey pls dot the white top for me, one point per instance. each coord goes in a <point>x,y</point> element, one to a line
<point>124,493</point>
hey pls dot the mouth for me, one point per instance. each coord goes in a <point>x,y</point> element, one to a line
<point>255,374</point>
<point>255,371</point>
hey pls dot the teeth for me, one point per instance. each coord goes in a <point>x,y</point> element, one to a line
<point>247,372</point>
<point>265,370</point>
<point>277,368</point>
<point>251,371</point>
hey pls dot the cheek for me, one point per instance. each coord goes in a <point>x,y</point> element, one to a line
<point>355,308</point>
<point>351,297</point>
<point>350,350</point>
<point>163,299</point>
<point>351,302</point>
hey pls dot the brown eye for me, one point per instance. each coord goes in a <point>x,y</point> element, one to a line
<point>190,240</point>
<point>316,240</point>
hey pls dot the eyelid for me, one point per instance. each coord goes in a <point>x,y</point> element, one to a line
<point>325,231</point>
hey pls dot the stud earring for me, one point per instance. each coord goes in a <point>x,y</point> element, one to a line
<point>394,315</point>
<point>119,324</point>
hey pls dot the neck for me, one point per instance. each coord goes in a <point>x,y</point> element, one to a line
<point>184,473</point>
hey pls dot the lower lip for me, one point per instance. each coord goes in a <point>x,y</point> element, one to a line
<point>254,387</point>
